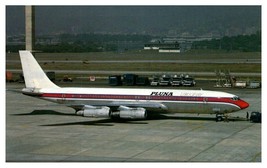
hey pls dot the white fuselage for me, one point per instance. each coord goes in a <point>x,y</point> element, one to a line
<point>165,100</point>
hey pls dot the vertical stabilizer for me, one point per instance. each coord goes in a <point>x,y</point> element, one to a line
<point>34,75</point>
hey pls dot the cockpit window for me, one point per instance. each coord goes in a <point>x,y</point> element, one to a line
<point>235,98</point>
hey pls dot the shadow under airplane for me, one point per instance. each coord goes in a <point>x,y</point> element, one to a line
<point>45,112</point>
<point>112,121</point>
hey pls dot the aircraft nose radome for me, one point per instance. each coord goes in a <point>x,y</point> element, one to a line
<point>242,104</point>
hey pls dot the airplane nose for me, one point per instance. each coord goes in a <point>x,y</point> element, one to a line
<point>242,104</point>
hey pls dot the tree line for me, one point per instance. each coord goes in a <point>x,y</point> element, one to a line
<point>108,42</point>
<point>81,42</point>
<point>245,43</point>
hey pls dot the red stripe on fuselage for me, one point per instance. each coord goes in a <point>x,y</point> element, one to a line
<point>240,103</point>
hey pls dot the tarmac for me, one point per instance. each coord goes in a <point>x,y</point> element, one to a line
<point>40,131</point>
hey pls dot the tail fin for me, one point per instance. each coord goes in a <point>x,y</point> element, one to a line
<point>34,76</point>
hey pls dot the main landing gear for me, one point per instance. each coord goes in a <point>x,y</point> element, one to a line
<point>221,117</point>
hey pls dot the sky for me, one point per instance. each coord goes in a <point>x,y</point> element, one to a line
<point>159,20</point>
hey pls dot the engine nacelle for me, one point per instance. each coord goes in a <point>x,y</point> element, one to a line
<point>132,113</point>
<point>92,111</point>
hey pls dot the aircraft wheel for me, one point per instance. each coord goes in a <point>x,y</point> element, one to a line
<point>219,118</point>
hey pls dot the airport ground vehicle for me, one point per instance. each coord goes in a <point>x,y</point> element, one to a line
<point>129,79</point>
<point>255,117</point>
<point>188,81</point>
<point>115,80</point>
<point>176,81</point>
<point>182,80</point>
<point>155,81</point>
<point>165,80</point>
<point>142,81</point>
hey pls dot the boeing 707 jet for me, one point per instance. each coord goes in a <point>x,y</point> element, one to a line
<point>125,103</point>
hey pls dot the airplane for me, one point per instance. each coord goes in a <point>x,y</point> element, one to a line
<point>125,103</point>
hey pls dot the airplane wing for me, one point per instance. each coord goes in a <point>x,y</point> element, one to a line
<point>126,110</point>
<point>116,104</point>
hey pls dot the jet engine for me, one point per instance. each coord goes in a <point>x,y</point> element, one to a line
<point>131,113</point>
<point>92,111</point>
